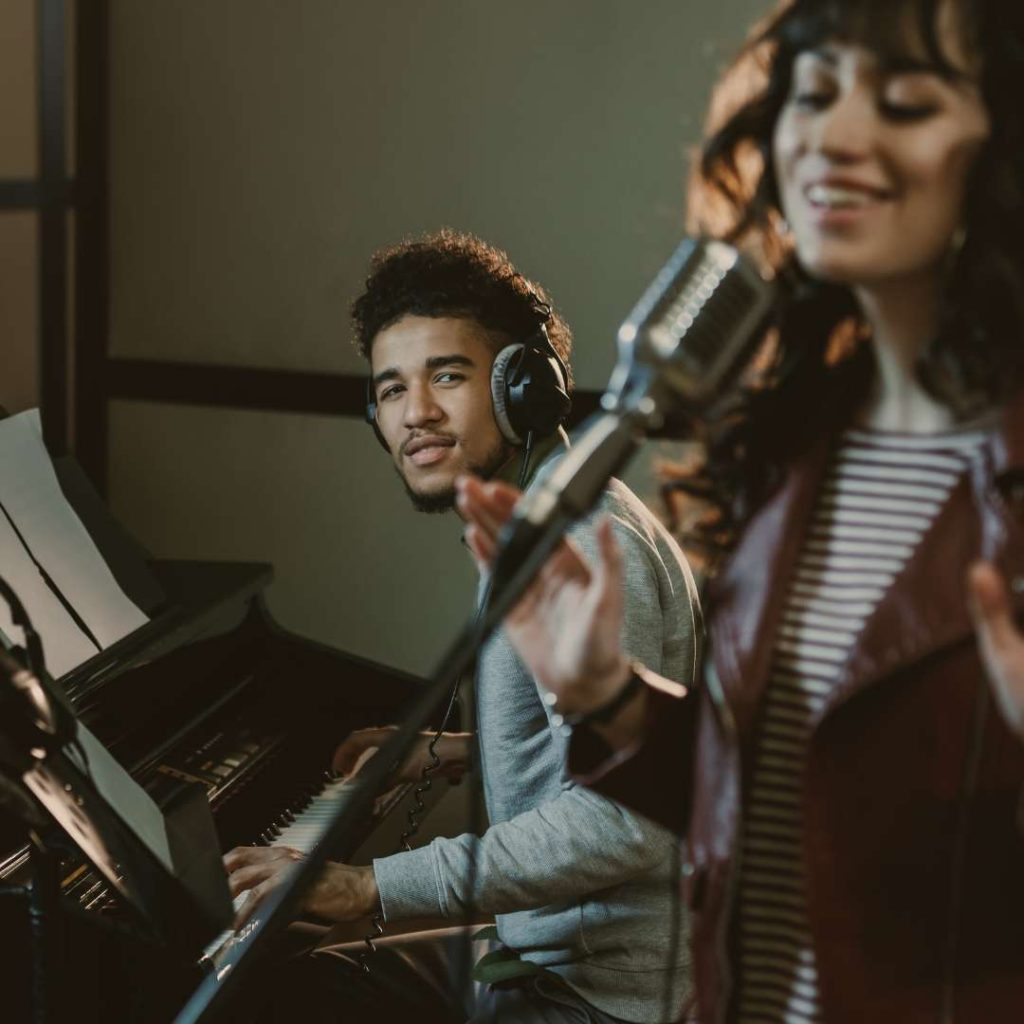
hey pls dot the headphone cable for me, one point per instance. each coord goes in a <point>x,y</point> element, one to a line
<point>524,470</point>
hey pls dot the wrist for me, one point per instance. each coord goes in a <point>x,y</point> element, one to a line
<point>622,691</point>
<point>371,894</point>
<point>628,724</point>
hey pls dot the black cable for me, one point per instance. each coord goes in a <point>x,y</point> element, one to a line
<point>524,469</point>
<point>416,811</point>
<point>462,976</point>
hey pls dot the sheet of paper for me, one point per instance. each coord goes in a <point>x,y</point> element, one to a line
<point>50,529</point>
<point>133,804</point>
<point>64,645</point>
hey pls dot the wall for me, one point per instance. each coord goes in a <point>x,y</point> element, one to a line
<point>261,151</point>
<point>17,227</point>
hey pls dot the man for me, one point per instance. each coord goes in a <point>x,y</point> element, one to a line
<point>468,375</point>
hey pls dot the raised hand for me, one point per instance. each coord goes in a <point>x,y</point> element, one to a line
<point>566,628</point>
<point>1000,641</point>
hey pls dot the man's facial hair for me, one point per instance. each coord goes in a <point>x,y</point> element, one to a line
<point>444,501</point>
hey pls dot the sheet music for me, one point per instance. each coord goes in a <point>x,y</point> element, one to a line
<point>132,804</point>
<point>51,530</point>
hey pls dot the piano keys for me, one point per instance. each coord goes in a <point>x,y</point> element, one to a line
<point>210,691</point>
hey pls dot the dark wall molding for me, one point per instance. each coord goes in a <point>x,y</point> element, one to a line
<point>27,194</point>
<point>246,387</point>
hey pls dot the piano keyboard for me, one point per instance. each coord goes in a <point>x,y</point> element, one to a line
<point>301,829</point>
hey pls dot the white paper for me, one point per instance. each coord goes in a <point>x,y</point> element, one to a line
<point>32,497</point>
<point>133,805</point>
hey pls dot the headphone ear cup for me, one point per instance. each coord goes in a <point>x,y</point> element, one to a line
<point>506,362</point>
<point>371,416</point>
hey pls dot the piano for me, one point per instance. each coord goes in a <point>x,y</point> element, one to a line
<point>210,691</point>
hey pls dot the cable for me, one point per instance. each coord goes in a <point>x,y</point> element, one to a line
<point>423,786</point>
<point>462,974</point>
<point>524,469</point>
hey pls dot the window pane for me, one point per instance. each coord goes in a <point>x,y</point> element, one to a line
<point>18,243</point>
<point>17,89</point>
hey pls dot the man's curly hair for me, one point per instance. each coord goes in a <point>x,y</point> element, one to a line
<point>458,275</point>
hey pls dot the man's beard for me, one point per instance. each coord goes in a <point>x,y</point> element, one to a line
<point>444,501</point>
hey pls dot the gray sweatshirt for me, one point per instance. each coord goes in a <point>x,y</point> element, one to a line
<point>578,884</point>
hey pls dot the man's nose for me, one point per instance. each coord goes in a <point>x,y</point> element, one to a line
<point>421,408</point>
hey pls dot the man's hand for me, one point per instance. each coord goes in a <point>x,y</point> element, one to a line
<point>341,893</point>
<point>453,750</point>
<point>1000,641</point>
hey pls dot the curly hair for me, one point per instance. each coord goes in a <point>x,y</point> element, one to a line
<point>453,274</point>
<point>817,361</point>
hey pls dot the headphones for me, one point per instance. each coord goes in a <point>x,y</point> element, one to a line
<point>529,387</point>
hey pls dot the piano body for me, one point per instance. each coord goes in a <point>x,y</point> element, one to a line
<point>210,691</point>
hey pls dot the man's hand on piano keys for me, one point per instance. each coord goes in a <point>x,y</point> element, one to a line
<point>453,750</point>
<point>341,893</point>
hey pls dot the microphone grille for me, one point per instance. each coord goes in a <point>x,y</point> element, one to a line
<point>697,319</point>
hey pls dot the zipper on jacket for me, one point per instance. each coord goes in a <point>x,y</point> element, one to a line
<point>728,721</point>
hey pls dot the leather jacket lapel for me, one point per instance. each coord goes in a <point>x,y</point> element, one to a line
<point>925,610</point>
<point>747,596</point>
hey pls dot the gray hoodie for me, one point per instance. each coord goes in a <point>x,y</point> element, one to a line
<point>578,884</point>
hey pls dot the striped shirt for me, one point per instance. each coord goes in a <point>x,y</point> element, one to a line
<point>880,494</point>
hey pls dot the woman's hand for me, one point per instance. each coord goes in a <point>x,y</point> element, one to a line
<point>566,628</point>
<point>1000,641</point>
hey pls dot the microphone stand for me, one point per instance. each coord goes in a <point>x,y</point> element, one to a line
<point>607,441</point>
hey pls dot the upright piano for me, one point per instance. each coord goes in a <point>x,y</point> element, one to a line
<point>211,691</point>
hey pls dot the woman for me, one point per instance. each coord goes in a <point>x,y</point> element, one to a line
<point>846,787</point>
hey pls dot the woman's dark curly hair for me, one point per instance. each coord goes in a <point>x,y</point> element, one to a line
<point>817,360</point>
<point>454,274</point>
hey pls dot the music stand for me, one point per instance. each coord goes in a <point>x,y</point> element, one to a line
<point>165,864</point>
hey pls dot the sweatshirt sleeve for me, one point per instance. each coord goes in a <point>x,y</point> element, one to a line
<point>580,842</point>
<point>569,847</point>
<point>652,777</point>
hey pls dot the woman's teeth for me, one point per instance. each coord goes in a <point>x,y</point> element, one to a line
<point>836,197</point>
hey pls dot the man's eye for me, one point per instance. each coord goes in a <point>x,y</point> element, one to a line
<point>448,378</point>
<point>389,392</point>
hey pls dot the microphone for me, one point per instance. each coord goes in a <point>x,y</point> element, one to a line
<point>682,348</point>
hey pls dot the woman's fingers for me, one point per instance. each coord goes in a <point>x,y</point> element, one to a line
<point>481,545</point>
<point>488,506</point>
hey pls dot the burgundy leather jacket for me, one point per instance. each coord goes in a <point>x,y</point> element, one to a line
<point>913,853</point>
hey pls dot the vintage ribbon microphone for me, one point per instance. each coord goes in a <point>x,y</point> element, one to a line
<point>682,348</point>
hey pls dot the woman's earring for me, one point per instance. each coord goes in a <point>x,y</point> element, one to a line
<point>956,245</point>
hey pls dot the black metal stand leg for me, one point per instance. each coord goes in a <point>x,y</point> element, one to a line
<point>47,940</point>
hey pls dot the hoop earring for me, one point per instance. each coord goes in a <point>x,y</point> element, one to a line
<point>957,242</point>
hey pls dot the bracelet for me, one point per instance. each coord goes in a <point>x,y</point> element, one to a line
<point>603,713</point>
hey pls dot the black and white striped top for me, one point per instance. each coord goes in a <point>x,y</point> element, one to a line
<point>879,496</point>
